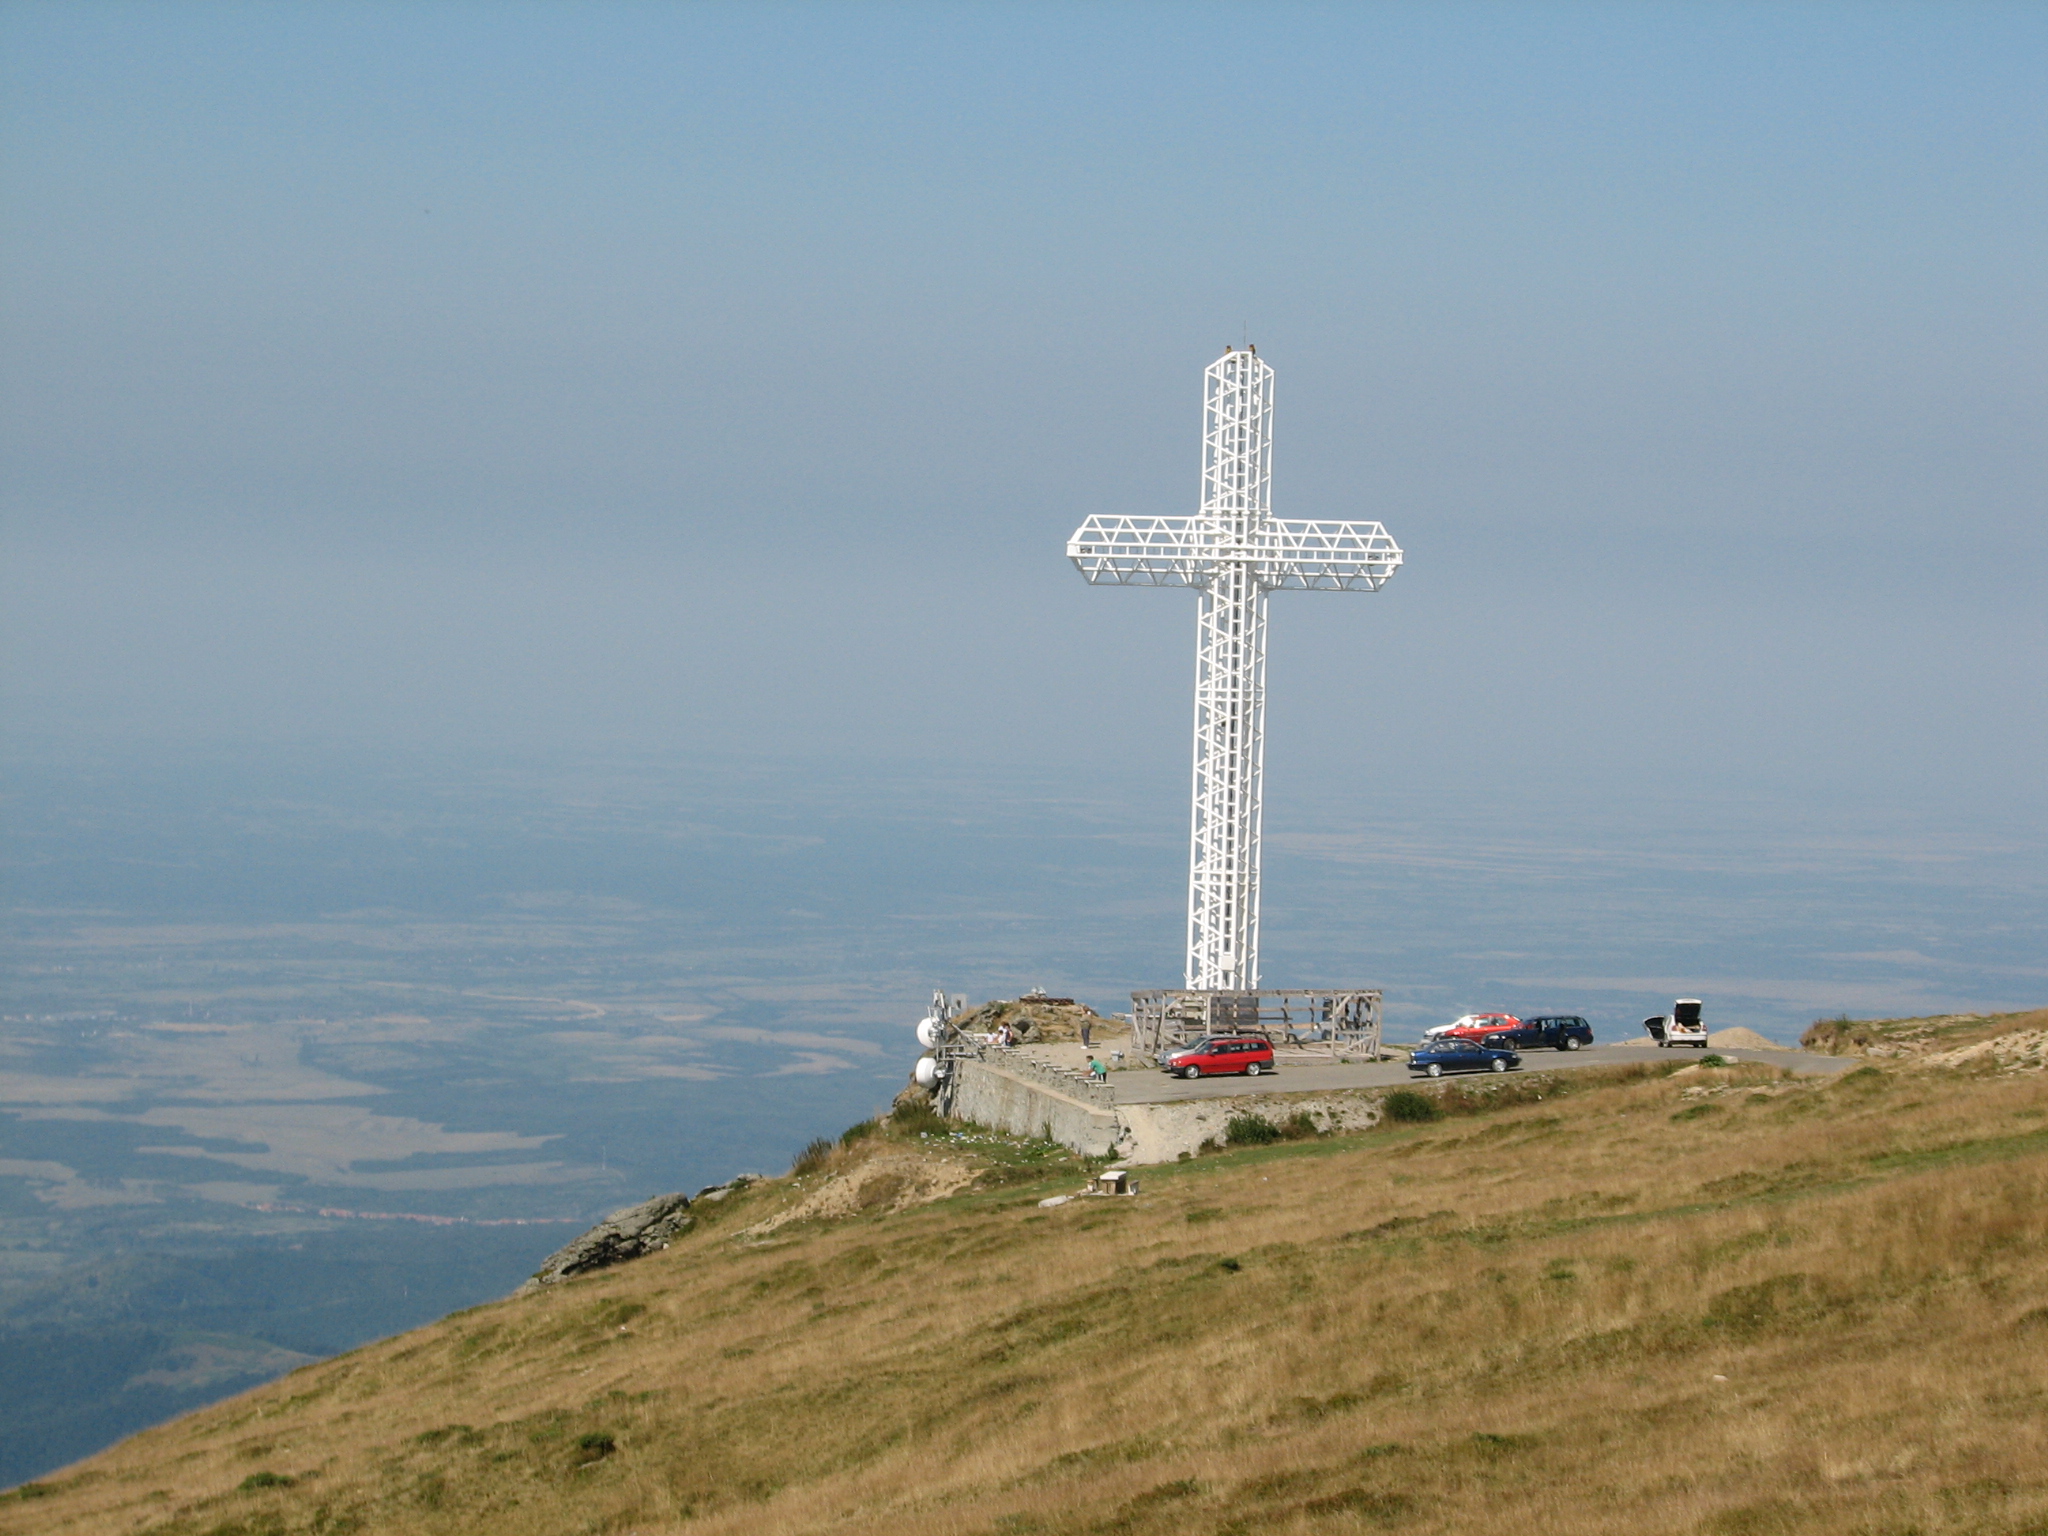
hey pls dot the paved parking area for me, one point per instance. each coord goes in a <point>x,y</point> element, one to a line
<point>1155,1087</point>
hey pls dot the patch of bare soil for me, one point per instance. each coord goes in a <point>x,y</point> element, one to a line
<point>1741,1039</point>
<point>891,1181</point>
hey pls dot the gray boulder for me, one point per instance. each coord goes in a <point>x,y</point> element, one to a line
<point>629,1234</point>
<point>730,1187</point>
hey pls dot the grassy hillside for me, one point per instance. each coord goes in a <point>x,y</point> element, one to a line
<point>1660,1298</point>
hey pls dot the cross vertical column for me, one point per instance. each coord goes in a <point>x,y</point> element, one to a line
<point>1230,676</point>
<point>1223,856</point>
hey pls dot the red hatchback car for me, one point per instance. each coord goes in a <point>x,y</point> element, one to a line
<point>1481,1025</point>
<point>1248,1054</point>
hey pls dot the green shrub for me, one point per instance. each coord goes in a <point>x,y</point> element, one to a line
<point>1258,1131</point>
<point>1405,1104</point>
<point>1181,1488</point>
<point>612,1312</point>
<point>1313,1408</point>
<point>461,1434</point>
<point>595,1446</point>
<point>1487,1442</point>
<point>812,1158</point>
<point>1713,1059</point>
<point>257,1480</point>
<point>1831,1035</point>
<point>859,1132</point>
<point>1750,1311</point>
<point>913,1118</point>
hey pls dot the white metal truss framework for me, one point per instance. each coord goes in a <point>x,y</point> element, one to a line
<point>1340,1021</point>
<point>1234,553</point>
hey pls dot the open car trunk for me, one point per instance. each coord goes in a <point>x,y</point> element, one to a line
<point>1681,1027</point>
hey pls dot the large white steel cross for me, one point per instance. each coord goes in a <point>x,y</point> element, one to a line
<point>1234,553</point>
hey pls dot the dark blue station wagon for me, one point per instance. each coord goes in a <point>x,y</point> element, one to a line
<point>1450,1054</point>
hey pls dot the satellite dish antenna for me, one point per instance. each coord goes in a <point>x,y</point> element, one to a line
<point>929,1031</point>
<point>926,1072</point>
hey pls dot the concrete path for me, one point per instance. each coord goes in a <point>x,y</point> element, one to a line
<point>1155,1087</point>
<point>1070,1053</point>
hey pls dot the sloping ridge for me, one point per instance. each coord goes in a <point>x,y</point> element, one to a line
<point>1663,1297</point>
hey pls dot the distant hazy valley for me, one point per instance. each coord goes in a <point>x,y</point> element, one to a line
<point>294,1058</point>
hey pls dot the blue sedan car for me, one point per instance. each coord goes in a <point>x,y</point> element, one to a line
<point>1450,1054</point>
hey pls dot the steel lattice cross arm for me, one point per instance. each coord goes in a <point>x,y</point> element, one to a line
<point>1187,551</point>
<point>1234,552</point>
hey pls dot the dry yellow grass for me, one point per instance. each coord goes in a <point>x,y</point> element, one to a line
<point>1648,1300</point>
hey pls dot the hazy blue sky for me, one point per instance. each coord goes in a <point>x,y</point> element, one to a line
<point>658,376</point>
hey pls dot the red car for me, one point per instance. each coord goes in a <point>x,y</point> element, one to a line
<point>1477,1026</point>
<point>1249,1054</point>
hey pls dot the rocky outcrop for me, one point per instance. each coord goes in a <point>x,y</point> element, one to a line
<point>730,1187</point>
<point>1034,1020</point>
<point>629,1234</point>
<point>2017,1050</point>
<point>2004,1041</point>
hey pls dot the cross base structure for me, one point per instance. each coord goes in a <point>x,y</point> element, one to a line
<point>1344,1021</point>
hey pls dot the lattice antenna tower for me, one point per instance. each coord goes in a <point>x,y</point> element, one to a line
<point>1234,553</point>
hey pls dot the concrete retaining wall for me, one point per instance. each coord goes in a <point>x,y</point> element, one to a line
<point>989,1096</point>
<point>1141,1133</point>
<point>1161,1133</point>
